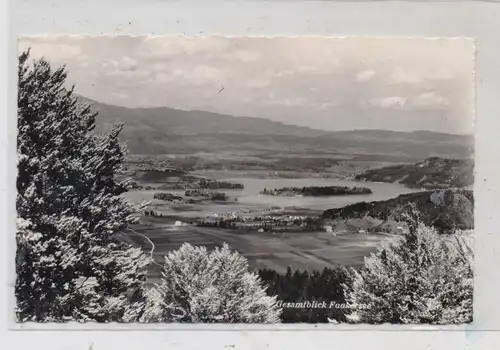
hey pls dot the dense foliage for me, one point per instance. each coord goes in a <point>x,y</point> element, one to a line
<point>445,210</point>
<point>202,286</point>
<point>165,196</point>
<point>212,195</point>
<point>69,263</point>
<point>72,262</point>
<point>301,286</point>
<point>423,278</point>
<point>218,184</point>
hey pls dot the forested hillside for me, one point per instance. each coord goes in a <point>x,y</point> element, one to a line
<point>444,209</point>
<point>434,172</point>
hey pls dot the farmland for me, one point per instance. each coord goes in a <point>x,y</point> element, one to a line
<point>306,251</point>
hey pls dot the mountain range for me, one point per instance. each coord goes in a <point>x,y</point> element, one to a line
<point>162,130</point>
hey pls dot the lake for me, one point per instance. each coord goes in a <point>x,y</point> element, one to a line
<point>250,194</point>
<point>250,199</point>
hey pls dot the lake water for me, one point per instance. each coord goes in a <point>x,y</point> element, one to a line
<point>250,199</point>
<point>250,194</point>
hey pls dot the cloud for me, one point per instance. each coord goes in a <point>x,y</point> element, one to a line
<point>201,75</point>
<point>388,102</point>
<point>328,105</point>
<point>365,75</point>
<point>418,76</point>
<point>276,78</point>
<point>198,76</point>
<point>128,74</point>
<point>245,56</point>
<point>160,67</point>
<point>440,73</point>
<point>275,73</point>
<point>158,47</point>
<point>164,77</point>
<point>404,76</point>
<point>119,95</point>
<point>51,50</point>
<point>258,83</point>
<point>307,69</point>
<point>429,100</point>
<point>125,63</point>
<point>289,102</point>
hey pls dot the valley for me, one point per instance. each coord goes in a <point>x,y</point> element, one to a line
<point>283,195</point>
<point>272,231</point>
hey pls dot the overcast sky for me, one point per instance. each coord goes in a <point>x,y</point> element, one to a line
<point>325,83</point>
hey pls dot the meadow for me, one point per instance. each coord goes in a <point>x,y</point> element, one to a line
<point>277,251</point>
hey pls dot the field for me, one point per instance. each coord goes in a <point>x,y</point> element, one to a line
<point>301,250</point>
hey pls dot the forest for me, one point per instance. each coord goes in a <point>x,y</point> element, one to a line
<point>297,286</point>
<point>447,210</point>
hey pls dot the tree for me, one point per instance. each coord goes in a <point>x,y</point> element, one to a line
<point>202,286</point>
<point>302,286</point>
<point>70,263</point>
<point>425,277</point>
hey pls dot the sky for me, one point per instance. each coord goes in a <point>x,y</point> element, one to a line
<point>325,83</point>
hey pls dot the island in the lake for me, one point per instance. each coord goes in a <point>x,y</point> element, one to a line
<point>192,196</point>
<point>215,196</point>
<point>316,191</point>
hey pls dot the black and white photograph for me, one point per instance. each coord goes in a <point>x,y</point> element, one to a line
<point>255,180</point>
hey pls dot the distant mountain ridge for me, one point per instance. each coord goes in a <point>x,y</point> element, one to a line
<point>167,130</point>
<point>195,122</point>
<point>417,135</point>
